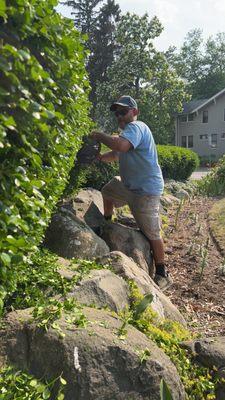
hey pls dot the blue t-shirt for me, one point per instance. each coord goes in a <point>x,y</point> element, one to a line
<point>139,168</point>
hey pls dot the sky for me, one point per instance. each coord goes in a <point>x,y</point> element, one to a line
<point>177,16</point>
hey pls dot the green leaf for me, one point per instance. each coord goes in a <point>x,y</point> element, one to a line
<point>5,65</point>
<point>33,382</point>
<point>165,393</point>
<point>6,259</point>
<point>142,305</point>
<point>25,55</point>
<point>46,394</point>
<point>62,381</point>
<point>2,8</point>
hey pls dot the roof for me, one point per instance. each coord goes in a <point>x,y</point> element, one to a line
<point>196,105</point>
<point>192,105</point>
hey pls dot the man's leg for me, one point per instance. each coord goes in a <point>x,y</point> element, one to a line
<point>146,213</point>
<point>157,247</point>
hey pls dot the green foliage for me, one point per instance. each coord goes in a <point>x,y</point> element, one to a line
<point>167,335</point>
<point>47,314</point>
<point>99,24</point>
<point>42,280</point>
<point>43,105</point>
<point>201,63</point>
<point>165,391</point>
<point>20,385</point>
<point>144,74</point>
<point>177,163</point>
<point>213,184</point>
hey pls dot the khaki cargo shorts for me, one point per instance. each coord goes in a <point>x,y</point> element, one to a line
<point>145,209</point>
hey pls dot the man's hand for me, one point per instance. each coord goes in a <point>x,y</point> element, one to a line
<point>95,135</point>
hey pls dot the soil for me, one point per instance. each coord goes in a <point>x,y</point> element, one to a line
<point>193,261</point>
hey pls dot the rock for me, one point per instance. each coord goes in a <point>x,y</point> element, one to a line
<point>89,195</point>
<point>126,268</point>
<point>127,220</point>
<point>210,352</point>
<point>131,242</point>
<point>87,205</point>
<point>70,237</point>
<point>168,200</point>
<point>102,288</point>
<point>182,194</point>
<point>95,363</point>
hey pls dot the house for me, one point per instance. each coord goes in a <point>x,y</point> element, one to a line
<point>201,127</point>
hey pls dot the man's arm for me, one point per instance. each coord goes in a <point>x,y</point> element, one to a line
<point>108,157</point>
<point>115,143</point>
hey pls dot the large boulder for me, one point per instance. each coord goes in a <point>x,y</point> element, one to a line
<point>129,270</point>
<point>131,242</point>
<point>69,237</point>
<point>210,352</point>
<point>102,288</point>
<point>95,362</point>
<point>88,206</point>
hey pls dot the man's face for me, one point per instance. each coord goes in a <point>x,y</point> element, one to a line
<point>125,115</point>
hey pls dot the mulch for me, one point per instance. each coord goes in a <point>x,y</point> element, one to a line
<point>193,261</point>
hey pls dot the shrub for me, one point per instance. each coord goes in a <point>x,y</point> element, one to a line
<point>44,108</point>
<point>213,184</point>
<point>176,162</point>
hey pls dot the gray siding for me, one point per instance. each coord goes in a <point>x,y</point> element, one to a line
<point>215,125</point>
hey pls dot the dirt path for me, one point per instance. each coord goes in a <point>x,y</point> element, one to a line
<point>193,259</point>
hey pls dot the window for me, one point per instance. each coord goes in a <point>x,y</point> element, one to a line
<point>184,141</point>
<point>213,140</point>
<point>205,117</point>
<point>187,141</point>
<point>190,142</point>
<point>183,118</point>
<point>223,135</point>
<point>190,117</point>
<point>224,114</point>
<point>204,137</point>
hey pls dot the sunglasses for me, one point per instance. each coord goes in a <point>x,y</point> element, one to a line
<point>121,113</point>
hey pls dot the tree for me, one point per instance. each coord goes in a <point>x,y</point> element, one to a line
<point>133,58</point>
<point>99,24</point>
<point>162,98</point>
<point>142,72</point>
<point>201,64</point>
<point>85,14</point>
<point>103,45</point>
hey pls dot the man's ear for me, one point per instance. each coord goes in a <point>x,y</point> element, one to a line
<point>136,112</point>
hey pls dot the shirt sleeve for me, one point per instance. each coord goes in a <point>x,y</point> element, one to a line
<point>133,134</point>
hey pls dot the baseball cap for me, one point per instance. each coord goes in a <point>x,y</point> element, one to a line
<point>125,101</point>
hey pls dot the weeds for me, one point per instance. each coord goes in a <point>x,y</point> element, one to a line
<point>19,385</point>
<point>179,208</point>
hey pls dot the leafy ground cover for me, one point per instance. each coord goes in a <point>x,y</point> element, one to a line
<point>194,262</point>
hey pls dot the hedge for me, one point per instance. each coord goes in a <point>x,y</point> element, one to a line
<point>44,108</point>
<point>176,163</point>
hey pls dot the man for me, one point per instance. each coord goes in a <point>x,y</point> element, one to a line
<point>140,183</point>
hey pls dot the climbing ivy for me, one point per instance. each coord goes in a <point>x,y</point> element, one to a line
<point>43,115</point>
